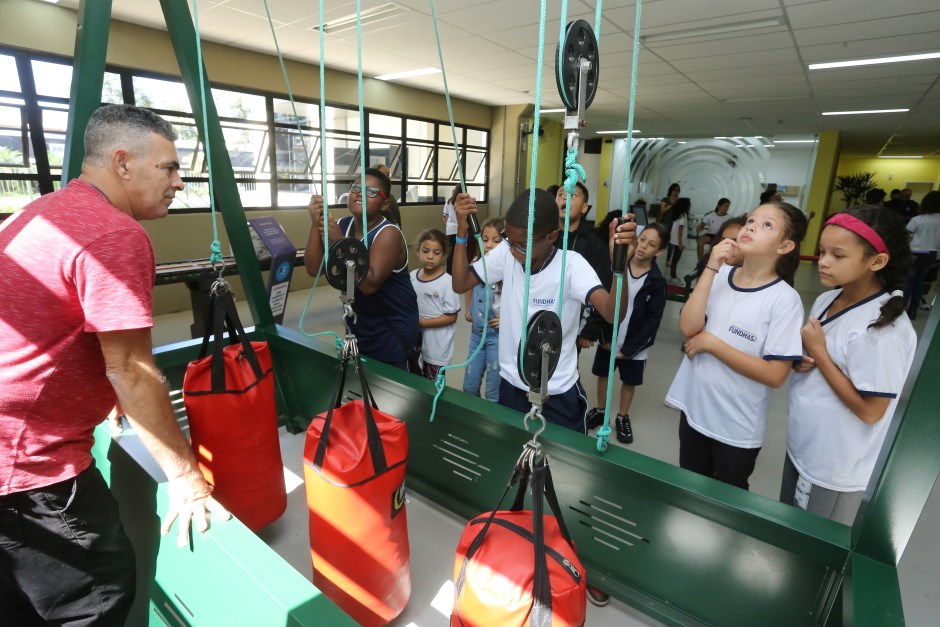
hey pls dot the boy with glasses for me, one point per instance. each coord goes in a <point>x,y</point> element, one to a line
<point>567,403</point>
<point>386,308</point>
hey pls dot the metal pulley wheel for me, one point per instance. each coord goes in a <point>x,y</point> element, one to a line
<point>544,331</point>
<point>579,43</point>
<point>347,249</point>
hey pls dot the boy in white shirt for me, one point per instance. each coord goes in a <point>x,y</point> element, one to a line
<point>567,403</point>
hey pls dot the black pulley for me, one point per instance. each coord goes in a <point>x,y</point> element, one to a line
<point>347,249</point>
<point>579,43</point>
<point>544,330</point>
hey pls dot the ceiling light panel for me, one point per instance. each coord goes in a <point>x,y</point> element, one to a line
<point>367,17</point>
<point>876,61</point>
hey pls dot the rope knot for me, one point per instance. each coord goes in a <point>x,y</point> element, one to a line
<point>574,171</point>
<point>215,249</point>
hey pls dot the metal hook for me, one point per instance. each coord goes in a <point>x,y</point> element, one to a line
<point>534,413</point>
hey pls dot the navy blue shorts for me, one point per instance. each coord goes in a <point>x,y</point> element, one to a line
<point>567,409</point>
<point>631,370</point>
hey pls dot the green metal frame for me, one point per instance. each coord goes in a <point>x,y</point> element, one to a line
<point>682,548</point>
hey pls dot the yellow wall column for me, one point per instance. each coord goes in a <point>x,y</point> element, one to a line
<point>551,158</point>
<point>824,172</point>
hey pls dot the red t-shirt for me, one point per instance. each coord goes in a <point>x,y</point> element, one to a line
<point>71,265</point>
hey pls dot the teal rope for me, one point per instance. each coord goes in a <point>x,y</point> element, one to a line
<point>362,126</point>
<point>323,176</point>
<point>604,432</point>
<point>535,156</point>
<point>450,110</point>
<point>290,93</point>
<point>323,183</point>
<point>337,340</point>
<point>597,21</point>
<point>439,382</point>
<point>574,172</point>
<point>215,248</point>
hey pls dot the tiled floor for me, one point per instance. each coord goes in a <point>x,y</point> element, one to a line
<point>655,427</point>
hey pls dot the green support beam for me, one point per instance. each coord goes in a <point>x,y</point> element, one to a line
<point>91,48</point>
<point>907,469</point>
<point>226,198</point>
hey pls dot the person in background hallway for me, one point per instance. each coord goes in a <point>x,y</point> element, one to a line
<point>707,229</point>
<point>678,218</point>
<point>76,285</point>
<point>450,225</point>
<point>925,244</point>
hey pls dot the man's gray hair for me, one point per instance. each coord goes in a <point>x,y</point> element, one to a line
<point>122,127</point>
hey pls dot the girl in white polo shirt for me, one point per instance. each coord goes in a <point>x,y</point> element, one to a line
<point>743,329</point>
<point>859,347</point>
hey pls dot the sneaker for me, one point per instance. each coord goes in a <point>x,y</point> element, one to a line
<point>924,305</point>
<point>677,281</point>
<point>597,597</point>
<point>595,418</point>
<point>624,429</point>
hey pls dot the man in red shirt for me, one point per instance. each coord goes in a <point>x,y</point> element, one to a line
<point>76,280</point>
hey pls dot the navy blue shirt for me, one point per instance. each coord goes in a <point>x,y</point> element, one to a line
<point>386,327</point>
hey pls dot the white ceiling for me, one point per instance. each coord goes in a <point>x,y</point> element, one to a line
<point>753,82</point>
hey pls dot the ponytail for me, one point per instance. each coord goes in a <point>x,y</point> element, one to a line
<point>893,276</point>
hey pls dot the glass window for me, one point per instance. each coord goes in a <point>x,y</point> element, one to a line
<point>420,162</point>
<point>419,193</point>
<point>12,153</point>
<point>384,125</point>
<point>475,170</point>
<point>111,90</point>
<point>342,119</point>
<point>52,79</point>
<point>9,77</point>
<point>447,164</point>
<point>342,155</point>
<point>446,135</point>
<point>155,93</point>
<point>232,104</point>
<point>247,146</point>
<point>295,154</point>
<point>307,114</point>
<point>476,138</point>
<point>386,153</point>
<point>416,129</point>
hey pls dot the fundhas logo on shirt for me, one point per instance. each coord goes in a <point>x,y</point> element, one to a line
<point>543,302</point>
<point>433,296</point>
<point>747,335</point>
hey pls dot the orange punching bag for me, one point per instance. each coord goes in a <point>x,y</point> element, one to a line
<point>354,471</point>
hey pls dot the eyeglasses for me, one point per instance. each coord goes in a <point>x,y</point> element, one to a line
<point>522,249</point>
<point>371,192</point>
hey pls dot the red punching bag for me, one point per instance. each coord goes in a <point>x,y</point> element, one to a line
<point>354,471</point>
<point>518,568</point>
<point>229,397</point>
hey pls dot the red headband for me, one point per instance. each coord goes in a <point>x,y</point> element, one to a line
<point>859,228</point>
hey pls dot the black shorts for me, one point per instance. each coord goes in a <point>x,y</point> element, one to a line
<point>631,370</point>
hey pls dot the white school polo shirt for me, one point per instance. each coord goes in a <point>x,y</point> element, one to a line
<point>828,443</point>
<point>925,233</point>
<point>581,281</point>
<point>764,322</point>
<point>436,298</point>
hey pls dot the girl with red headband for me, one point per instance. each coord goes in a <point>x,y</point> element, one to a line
<point>859,348</point>
<point>743,329</point>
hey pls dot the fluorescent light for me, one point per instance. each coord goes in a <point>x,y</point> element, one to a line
<point>409,74</point>
<point>718,29</point>
<point>682,142</point>
<point>553,110</point>
<point>367,16</point>
<point>719,137</point>
<point>794,141</point>
<point>900,156</point>
<point>865,112</point>
<point>878,61</point>
<point>51,1</point>
<point>616,132</point>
